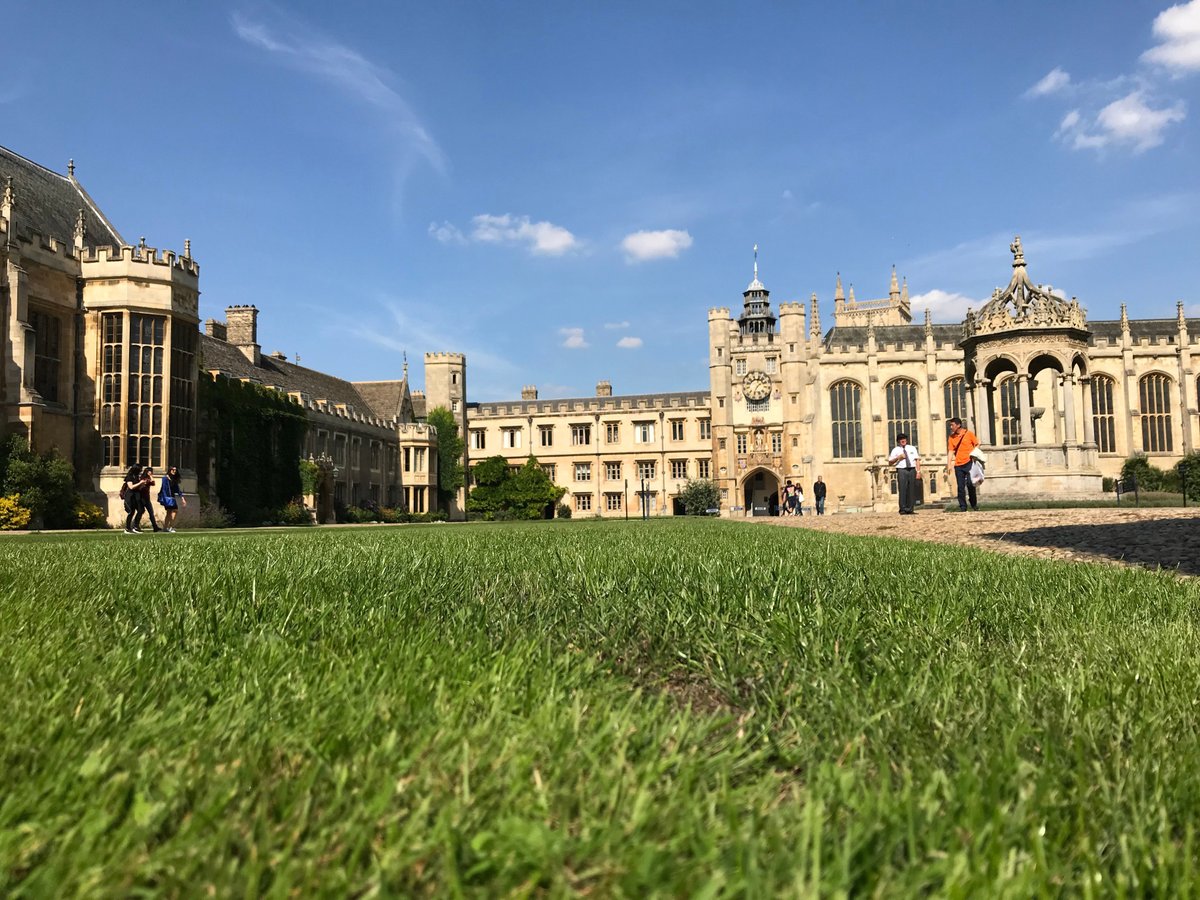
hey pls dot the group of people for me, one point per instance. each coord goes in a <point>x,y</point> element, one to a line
<point>135,491</point>
<point>961,465</point>
<point>791,498</point>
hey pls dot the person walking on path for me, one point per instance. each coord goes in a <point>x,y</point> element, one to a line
<point>791,496</point>
<point>819,495</point>
<point>170,495</point>
<point>907,461</point>
<point>958,463</point>
<point>144,485</point>
<point>132,497</point>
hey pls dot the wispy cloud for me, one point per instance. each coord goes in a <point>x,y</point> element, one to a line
<point>642,246</point>
<point>418,325</point>
<point>629,342</point>
<point>542,238</point>
<point>1178,28</point>
<point>1053,82</point>
<point>290,42</point>
<point>573,338</point>
<point>1129,121</point>
<point>1132,111</point>
<point>616,325</point>
<point>446,233</point>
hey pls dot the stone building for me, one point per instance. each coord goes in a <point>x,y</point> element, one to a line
<point>1059,403</point>
<point>103,356</point>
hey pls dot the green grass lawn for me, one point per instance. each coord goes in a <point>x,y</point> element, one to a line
<point>690,708</point>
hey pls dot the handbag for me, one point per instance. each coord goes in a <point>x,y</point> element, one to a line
<point>978,456</point>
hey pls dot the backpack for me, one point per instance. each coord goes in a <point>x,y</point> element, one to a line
<point>124,492</point>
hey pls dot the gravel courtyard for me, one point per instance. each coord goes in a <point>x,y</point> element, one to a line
<point>1151,537</point>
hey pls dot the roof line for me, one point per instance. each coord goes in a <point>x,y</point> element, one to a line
<point>87,198</point>
<point>33,163</point>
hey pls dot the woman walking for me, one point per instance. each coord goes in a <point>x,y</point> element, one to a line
<point>144,485</point>
<point>132,496</point>
<point>170,495</point>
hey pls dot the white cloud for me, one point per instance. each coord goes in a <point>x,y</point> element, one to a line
<point>1055,80</point>
<point>1129,121</point>
<point>573,338</point>
<point>1178,27</point>
<point>944,305</point>
<point>629,343</point>
<point>646,245</point>
<point>616,325</point>
<point>1191,309</point>
<point>446,233</point>
<point>542,238</point>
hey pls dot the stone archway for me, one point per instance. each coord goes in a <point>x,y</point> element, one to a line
<point>758,488</point>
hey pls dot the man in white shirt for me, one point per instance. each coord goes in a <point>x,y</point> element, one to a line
<point>907,461</point>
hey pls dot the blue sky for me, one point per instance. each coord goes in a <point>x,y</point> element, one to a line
<point>561,190</point>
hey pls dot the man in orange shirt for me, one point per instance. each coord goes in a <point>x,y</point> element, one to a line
<point>958,462</point>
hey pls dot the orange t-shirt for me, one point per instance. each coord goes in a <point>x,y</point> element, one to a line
<point>960,446</point>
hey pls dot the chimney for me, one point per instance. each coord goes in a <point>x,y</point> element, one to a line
<point>215,329</point>
<point>529,392</point>
<point>603,388</point>
<point>242,328</point>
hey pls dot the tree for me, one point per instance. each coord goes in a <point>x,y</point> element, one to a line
<point>501,493</point>
<point>450,451</point>
<point>45,482</point>
<point>1189,475</point>
<point>698,497</point>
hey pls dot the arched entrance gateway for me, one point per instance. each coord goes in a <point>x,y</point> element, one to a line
<point>760,492</point>
<point>1026,366</point>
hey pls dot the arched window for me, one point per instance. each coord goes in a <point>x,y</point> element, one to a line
<point>1008,392</point>
<point>902,411</point>
<point>845,408</point>
<point>1154,396</point>
<point>1104,421</point>
<point>954,398</point>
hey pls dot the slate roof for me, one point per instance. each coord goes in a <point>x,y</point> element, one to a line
<point>845,337</point>
<point>1151,329</point>
<point>382,397</point>
<point>229,360</point>
<point>49,203</point>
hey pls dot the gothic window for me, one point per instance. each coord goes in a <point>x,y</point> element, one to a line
<point>677,429</point>
<point>902,411</point>
<point>679,468</point>
<point>706,429</point>
<point>740,366</point>
<point>612,471</point>
<point>954,399</point>
<point>845,409</point>
<point>144,407</point>
<point>1104,422</point>
<point>546,433</point>
<point>581,435</point>
<point>741,443</point>
<point>758,405</point>
<point>46,355</point>
<point>182,425</point>
<point>776,442</point>
<point>703,468</point>
<point>1009,391</point>
<point>646,469</point>
<point>111,369</point>
<point>583,471</point>
<point>1154,395</point>
<point>612,432</point>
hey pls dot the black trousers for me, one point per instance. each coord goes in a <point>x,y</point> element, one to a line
<point>966,487</point>
<point>906,480</point>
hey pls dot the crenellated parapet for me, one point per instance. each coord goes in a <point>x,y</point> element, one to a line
<point>718,312</point>
<point>140,277</point>
<point>445,356</point>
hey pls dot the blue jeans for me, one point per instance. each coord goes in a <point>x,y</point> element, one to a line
<point>820,504</point>
<point>966,487</point>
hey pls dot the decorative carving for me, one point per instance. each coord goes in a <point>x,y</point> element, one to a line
<point>1023,305</point>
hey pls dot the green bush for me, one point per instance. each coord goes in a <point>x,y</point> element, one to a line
<point>213,515</point>
<point>89,515</point>
<point>294,513</point>
<point>1108,485</point>
<point>699,496</point>
<point>13,516</point>
<point>1149,477</point>
<point>1187,470</point>
<point>563,511</point>
<point>46,483</point>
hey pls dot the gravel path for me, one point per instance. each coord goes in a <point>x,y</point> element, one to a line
<point>1154,538</point>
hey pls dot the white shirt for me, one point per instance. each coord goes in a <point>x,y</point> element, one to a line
<point>907,455</point>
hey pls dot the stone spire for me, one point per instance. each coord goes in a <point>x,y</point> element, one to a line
<point>405,370</point>
<point>894,287</point>
<point>80,230</point>
<point>838,294</point>
<point>7,201</point>
<point>187,248</point>
<point>756,285</point>
<point>1180,319</point>
<point>71,169</point>
<point>1017,252</point>
<point>852,300</point>
<point>904,291</point>
<point>928,323</point>
<point>814,328</point>
<point>1124,318</point>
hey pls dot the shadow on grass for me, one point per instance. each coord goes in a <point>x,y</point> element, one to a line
<point>1167,543</point>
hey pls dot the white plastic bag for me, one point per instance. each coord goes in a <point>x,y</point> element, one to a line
<point>976,472</point>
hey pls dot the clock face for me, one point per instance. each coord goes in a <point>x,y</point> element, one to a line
<point>756,385</point>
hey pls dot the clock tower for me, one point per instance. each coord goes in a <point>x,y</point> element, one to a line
<point>750,360</point>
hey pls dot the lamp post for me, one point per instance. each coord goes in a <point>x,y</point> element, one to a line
<point>626,499</point>
<point>645,501</point>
